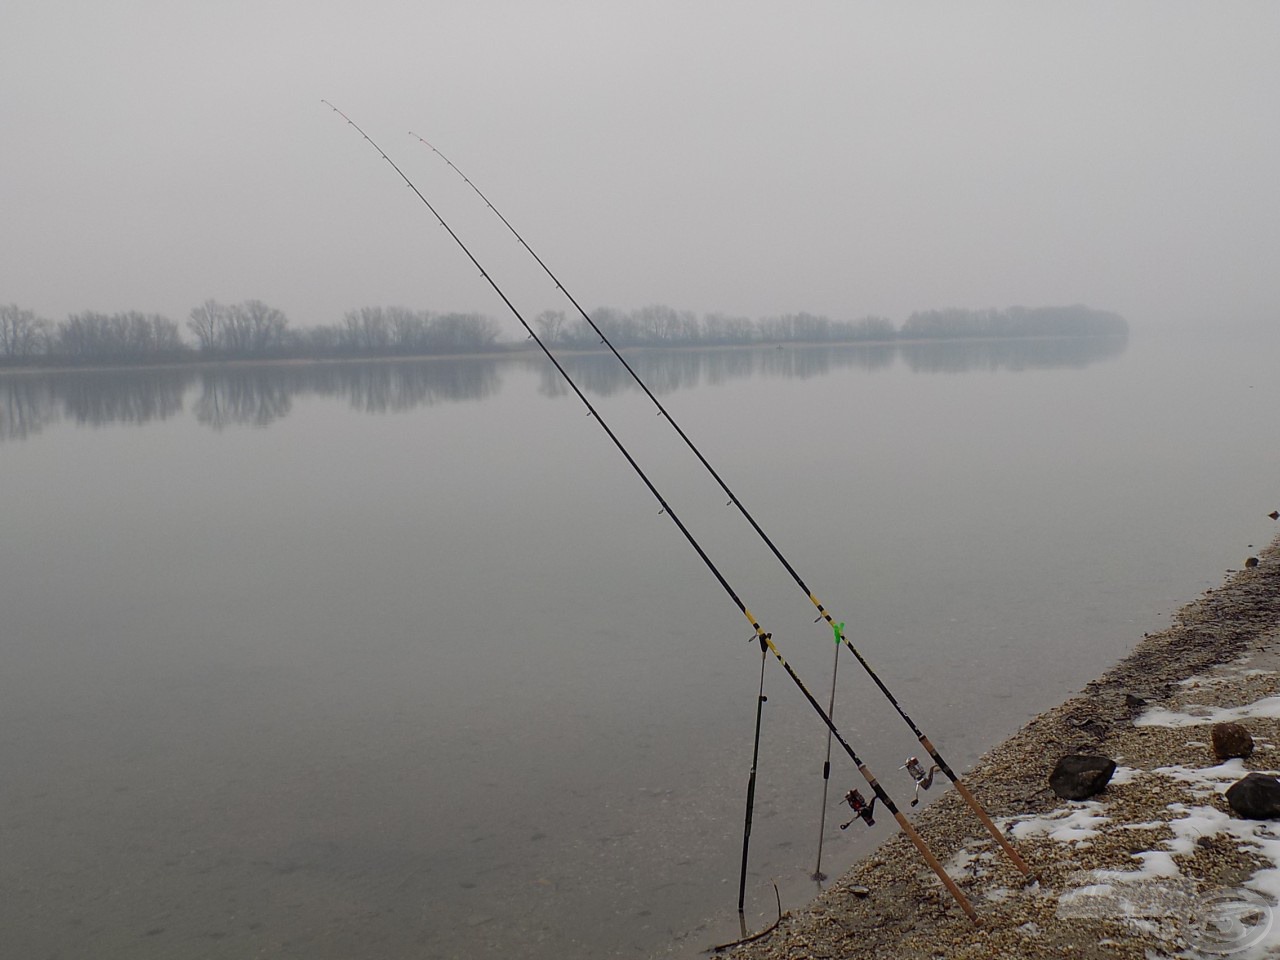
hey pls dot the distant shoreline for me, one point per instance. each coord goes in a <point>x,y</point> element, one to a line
<point>521,351</point>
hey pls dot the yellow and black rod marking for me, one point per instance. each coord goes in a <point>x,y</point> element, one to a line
<point>665,508</point>
<point>733,499</point>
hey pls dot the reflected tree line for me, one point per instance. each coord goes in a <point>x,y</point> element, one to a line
<point>667,371</point>
<point>1073,321</point>
<point>248,395</point>
<point>959,356</point>
<point>260,394</point>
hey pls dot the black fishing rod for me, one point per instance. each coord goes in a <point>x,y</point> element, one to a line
<point>751,788</point>
<point>823,613</point>
<point>765,639</point>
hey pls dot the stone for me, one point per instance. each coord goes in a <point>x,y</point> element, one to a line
<point>1080,776</point>
<point>1251,563</point>
<point>1231,740</point>
<point>1256,797</point>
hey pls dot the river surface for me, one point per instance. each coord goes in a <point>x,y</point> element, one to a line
<point>400,659</point>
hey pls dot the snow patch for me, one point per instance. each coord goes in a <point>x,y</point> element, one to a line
<point>1155,897</point>
<point>1268,707</point>
<point>1073,824</point>
<point>959,866</point>
<point>1206,780</point>
<point>1123,775</point>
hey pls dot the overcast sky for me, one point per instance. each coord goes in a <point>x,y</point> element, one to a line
<point>747,157</point>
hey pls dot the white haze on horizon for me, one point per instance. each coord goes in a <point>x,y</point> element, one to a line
<point>837,158</point>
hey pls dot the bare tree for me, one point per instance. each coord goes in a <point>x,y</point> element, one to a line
<point>241,329</point>
<point>550,325</point>
<point>461,332</point>
<point>367,330</point>
<point>206,323</point>
<point>408,330</point>
<point>95,337</point>
<point>22,333</point>
<point>264,327</point>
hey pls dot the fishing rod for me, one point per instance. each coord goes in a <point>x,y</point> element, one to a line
<point>751,788</point>
<point>765,639</point>
<point>823,613</point>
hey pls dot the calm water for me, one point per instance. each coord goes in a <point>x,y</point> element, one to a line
<point>399,660</point>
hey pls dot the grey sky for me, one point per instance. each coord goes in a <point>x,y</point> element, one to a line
<point>844,158</point>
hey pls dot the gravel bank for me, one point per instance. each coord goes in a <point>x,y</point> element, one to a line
<point>1156,845</point>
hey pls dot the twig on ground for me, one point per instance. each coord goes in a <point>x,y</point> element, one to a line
<point>720,948</point>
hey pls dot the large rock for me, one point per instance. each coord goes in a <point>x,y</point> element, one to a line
<point>1080,776</point>
<point>1256,797</point>
<point>1231,740</point>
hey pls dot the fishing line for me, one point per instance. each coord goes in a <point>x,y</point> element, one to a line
<point>826,769</point>
<point>823,613</point>
<point>766,639</point>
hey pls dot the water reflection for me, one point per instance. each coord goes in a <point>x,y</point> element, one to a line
<point>31,402</point>
<point>97,398</point>
<point>242,396</point>
<point>233,395</point>
<point>666,371</point>
<point>959,356</point>
<point>27,406</point>
<point>259,395</point>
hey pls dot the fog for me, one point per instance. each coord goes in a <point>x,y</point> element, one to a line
<point>840,158</point>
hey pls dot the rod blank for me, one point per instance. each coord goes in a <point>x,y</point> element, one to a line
<point>764,638</point>
<point>824,614</point>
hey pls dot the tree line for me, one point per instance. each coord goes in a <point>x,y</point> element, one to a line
<point>659,325</point>
<point>87,337</point>
<point>254,330</point>
<point>248,330</point>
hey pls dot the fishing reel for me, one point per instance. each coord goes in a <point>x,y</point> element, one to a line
<point>858,804</point>
<point>922,779</point>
